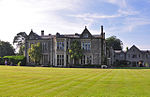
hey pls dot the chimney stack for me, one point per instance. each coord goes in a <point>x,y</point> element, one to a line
<point>101,29</point>
<point>102,33</point>
<point>42,32</point>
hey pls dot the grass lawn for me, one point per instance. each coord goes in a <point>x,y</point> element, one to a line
<point>72,82</point>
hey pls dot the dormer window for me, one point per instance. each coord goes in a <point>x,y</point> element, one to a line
<point>86,35</point>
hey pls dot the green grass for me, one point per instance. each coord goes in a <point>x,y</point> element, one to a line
<point>131,68</point>
<point>73,82</point>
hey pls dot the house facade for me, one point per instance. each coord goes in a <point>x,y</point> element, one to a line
<point>55,48</point>
<point>134,57</point>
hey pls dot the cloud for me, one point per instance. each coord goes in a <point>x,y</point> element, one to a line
<point>68,16</point>
<point>129,24</point>
<point>120,3</point>
<point>96,16</point>
<point>127,12</point>
<point>124,7</point>
<point>23,15</point>
<point>132,23</point>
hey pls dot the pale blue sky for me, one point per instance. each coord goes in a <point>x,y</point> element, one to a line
<point>129,20</point>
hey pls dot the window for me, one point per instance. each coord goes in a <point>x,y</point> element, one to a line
<point>83,59</point>
<point>146,56</point>
<point>60,45</point>
<point>86,46</point>
<point>45,59</point>
<point>134,56</point>
<point>67,45</point>
<point>89,46</point>
<point>133,50</point>
<point>67,59</point>
<point>60,60</point>
<point>89,60</point>
<point>121,55</point>
<point>128,55</point>
<point>45,47</point>
<point>86,35</point>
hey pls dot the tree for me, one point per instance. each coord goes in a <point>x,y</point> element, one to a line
<point>75,51</point>
<point>6,49</point>
<point>127,48</point>
<point>114,42</point>
<point>19,40</point>
<point>21,50</point>
<point>35,52</point>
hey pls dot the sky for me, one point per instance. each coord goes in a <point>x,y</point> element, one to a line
<point>128,20</point>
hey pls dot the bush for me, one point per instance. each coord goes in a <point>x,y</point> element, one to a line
<point>121,63</point>
<point>19,63</point>
<point>86,66</point>
<point>13,60</point>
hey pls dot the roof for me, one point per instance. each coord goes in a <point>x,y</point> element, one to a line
<point>142,51</point>
<point>33,35</point>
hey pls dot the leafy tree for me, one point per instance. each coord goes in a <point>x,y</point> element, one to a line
<point>21,50</point>
<point>75,51</point>
<point>6,49</point>
<point>35,52</point>
<point>127,48</point>
<point>19,40</point>
<point>114,42</point>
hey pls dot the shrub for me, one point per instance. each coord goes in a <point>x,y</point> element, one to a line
<point>86,66</point>
<point>19,63</point>
<point>13,60</point>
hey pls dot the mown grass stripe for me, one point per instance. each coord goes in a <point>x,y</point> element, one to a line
<point>71,82</point>
<point>79,89</point>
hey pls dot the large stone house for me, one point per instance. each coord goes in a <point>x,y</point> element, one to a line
<point>134,56</point>
<point>55,48</point>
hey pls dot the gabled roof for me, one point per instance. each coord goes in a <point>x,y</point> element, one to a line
<point>141,51</point>
<point>33,35</point>
<point>86,33</point>
<point>135,47</point>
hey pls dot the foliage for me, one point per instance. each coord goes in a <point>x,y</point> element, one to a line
<point>86,66</point>
<point>19,39</point>
<point>6,49</point>
<point>35,52</point>
<point>121,63</point>
<point>114,42</point>
<point>19,63</point>
<point>75,50</point>
<point>13,60</point>
<point>127,48</point>
<point>21,50</point>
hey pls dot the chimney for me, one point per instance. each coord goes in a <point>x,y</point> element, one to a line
<point>42,32</point>
<point>101,29</point>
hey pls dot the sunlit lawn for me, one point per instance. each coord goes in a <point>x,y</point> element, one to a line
<point>39,81</point>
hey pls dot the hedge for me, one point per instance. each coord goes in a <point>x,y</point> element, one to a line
<point>13,60</point>
<point>86,66</point>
